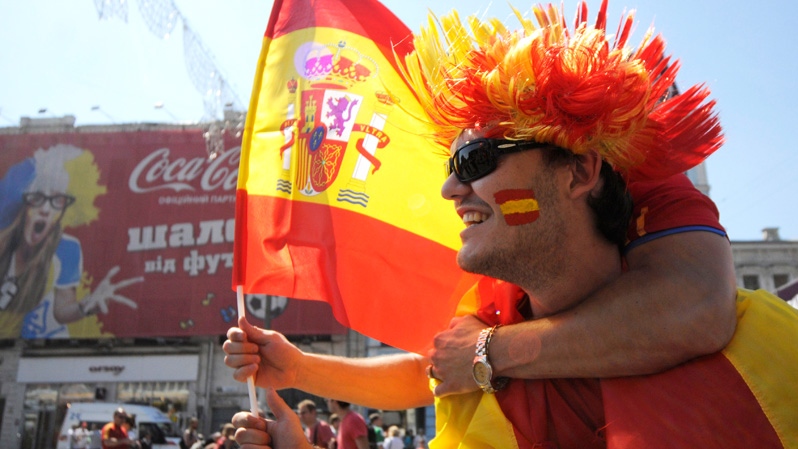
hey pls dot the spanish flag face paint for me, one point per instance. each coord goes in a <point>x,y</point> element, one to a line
<point>518,206</point>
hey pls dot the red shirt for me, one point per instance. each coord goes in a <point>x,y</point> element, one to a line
<point>352,427</point>
<point>569,413</point>
<point>111,430</point>
<point>320,434</point>
<point>667,207</point>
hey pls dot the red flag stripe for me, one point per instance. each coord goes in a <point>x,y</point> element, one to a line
<point>306,258</point>
<point>359,17</point>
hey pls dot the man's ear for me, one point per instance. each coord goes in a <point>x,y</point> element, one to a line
<point>585,173</point>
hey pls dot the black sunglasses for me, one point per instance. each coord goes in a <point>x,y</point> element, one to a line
<point>479,157</point>
<point>58,201</point>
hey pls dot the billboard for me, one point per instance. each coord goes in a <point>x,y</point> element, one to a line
<point>125,234</point>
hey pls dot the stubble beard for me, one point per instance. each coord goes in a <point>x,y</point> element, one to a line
<point>533,262</point>
<point>531,256</point>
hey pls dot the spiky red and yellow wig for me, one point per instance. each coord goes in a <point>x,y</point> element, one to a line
<point>573,89</point>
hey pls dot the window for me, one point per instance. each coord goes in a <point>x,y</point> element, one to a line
<point>780,279</point>
<point>751,281</point>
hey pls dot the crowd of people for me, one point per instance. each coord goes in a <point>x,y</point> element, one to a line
<point>224,438</point>
<point>356,433</point>
<point>122,433</point>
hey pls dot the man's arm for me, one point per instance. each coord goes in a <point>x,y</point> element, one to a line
<point>66,308</point>
<point>391,382</point>
<point>362,442</point>
<point>675,302</point>
<point>113,441</point>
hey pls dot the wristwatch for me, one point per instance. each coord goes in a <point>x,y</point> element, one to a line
<point>482,369</point>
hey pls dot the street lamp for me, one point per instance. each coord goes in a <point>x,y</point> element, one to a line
<point>98,109</point>
<point>6,118</point>
<point>160,105</point>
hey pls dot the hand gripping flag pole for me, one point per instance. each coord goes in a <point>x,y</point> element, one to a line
<point>253,397</point>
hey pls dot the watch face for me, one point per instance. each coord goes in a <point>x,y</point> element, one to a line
<point>482,373</point>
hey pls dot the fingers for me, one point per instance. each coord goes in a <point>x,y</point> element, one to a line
<point>455,321</point>
<point>251,431</point>
<point>435,381</point>
<point>241,355</point>
<point>430,372</point>
<point>249,421</point>
<point>106,291</point>
<point>240,350</point>
<point>235,334</point>
<point>243,372</point>
<point>254,333</point>
<point>439,390</point>
<point>126,301</point>
<point>277,405</point>
<point>126,282</point>
<point>233,347</point>
<point>246,327</point>
<point>111,273</point>
<point>102,305</point>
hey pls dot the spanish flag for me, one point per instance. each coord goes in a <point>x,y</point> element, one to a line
<point>741,397</point>
<point>338,195</point>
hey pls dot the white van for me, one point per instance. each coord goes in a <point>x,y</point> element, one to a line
<point>148,420</point>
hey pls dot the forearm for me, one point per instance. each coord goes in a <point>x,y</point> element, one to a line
<point>362,443</point>
<point>664,311</point>
<point>393,382</point>
<point>66,308</point>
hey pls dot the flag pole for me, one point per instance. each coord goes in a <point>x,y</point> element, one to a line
<point>253,398</point>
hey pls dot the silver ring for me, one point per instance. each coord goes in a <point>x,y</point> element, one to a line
<point>430,373</point>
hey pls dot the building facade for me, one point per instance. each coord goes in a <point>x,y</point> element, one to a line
<point>144,211</point>
<point>769,264</point>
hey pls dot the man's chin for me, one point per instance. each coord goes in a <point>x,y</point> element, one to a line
<point>471,264</point>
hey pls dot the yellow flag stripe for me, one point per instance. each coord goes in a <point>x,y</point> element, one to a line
<point>519,206</point>
<point>763,352</point>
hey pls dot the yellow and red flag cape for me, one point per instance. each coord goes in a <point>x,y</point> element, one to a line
<point>741,397</point>
<point>338,195</point>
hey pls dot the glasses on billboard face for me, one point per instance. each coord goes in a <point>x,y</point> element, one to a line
<point>479,157</point>
<point>58,201</point>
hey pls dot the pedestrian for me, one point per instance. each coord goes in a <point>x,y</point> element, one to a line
<point>318,432</point>
<point>376,433</point>
<point>394,440</point>
<point>80,436</point>
<point>227,440</point>
<point>190,436</point>
<point>114,434</point>
<point>353,431</point>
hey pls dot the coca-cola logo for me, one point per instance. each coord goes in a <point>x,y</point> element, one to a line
<point>158,171</point>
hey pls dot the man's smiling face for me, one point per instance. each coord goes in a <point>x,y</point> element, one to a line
<point>511,214</point>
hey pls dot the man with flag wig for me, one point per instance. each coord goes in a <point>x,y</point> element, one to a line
<point>547,125</point>
<point>329,101</point>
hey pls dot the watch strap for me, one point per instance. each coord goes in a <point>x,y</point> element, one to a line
<point>481,351</point>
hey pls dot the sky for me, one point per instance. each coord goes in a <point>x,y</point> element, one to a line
<point>60,58</point>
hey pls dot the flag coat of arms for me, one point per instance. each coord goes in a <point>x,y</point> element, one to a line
<point>338,195</point>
